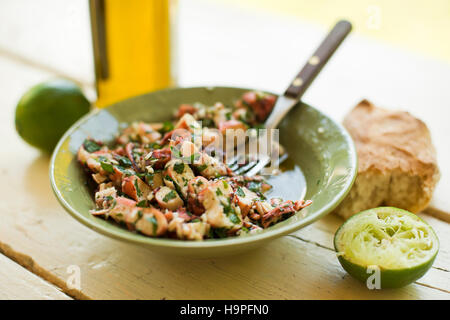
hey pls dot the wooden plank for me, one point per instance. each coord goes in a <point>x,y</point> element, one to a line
<point>19,283</point>
<point>285,269</point>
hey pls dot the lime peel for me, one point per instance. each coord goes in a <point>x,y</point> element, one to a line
<point>47,110</point>
<point>395,240</point>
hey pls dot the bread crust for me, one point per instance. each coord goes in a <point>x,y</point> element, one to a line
<point>396,160</point>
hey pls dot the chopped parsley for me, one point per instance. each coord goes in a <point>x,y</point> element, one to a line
<point>171,195</point>
<point>91,146</point>
<point>227,209</point>
<point>154,145</point>
<point>107,167</point>
<point>167,126</point>
<point>124,161</point>
<point>244,117</point>
<point>202,167</point>
<point>153,221</point>
<point>234,218</point>
<point>218,233</point>
<point>178,189</point>
<point>240,192</point>
<point>254,186</point>
<point>175,152</point>
<point>178,167</point>
<point>138,191</point>
<point>126,172</point>
<point>192,158</point>
<point>208,123</point>
<point>149,177</point>
<point>225,184</point>
<point>219,192</point>
<point>142,204</point>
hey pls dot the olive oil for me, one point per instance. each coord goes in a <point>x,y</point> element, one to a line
<point>131,41</point>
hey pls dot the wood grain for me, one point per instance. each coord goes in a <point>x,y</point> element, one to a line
<point>19,283</point>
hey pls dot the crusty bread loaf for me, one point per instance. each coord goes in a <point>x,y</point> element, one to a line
<point>396,161</point>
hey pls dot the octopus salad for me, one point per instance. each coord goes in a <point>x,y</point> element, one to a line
<point>158,181</point>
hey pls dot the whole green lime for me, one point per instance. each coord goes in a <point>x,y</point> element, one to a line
<point>397,243</point>
<point>47,110</point>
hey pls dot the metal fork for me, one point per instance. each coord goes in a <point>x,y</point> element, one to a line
<point>292,96</point>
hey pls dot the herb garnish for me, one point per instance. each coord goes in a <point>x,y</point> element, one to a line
<point>171,195</point>
<point>153,221</point>
<point>218,233</point>
<point>124,161</point>
<point>175,152</point>
<point>138,191</point>
<point>107,167</point>
<point>178,167</point>
<point>240,192</point>
<point>142,204</point>
<point>234,218</point>
<point>167,126</point>
<point>254,186</point>
<point>154,145</point>
<point>91,146</point>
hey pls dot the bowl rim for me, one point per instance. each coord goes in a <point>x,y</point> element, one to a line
<point>208,243</point>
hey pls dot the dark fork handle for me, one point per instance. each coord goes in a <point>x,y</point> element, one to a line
<point>302,81</point>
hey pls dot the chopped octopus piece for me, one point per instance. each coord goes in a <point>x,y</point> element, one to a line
<point>195,186</point>
<point>168,198</point>
<point>177,174</point>
<point>286,208</point>
<point>219,210</point>
<point>152,222</point>
<point>135,188</point>
<point>245,199</point>
<point>261,104</point>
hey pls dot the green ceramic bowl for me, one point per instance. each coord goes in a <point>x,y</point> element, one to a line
<point>320,147</point>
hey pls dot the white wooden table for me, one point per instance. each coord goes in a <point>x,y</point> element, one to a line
<point>39,242</point>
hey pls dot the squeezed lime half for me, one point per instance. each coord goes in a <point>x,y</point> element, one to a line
<point>397,242</point>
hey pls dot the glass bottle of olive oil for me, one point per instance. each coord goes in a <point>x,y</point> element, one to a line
<point>132,47</point>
